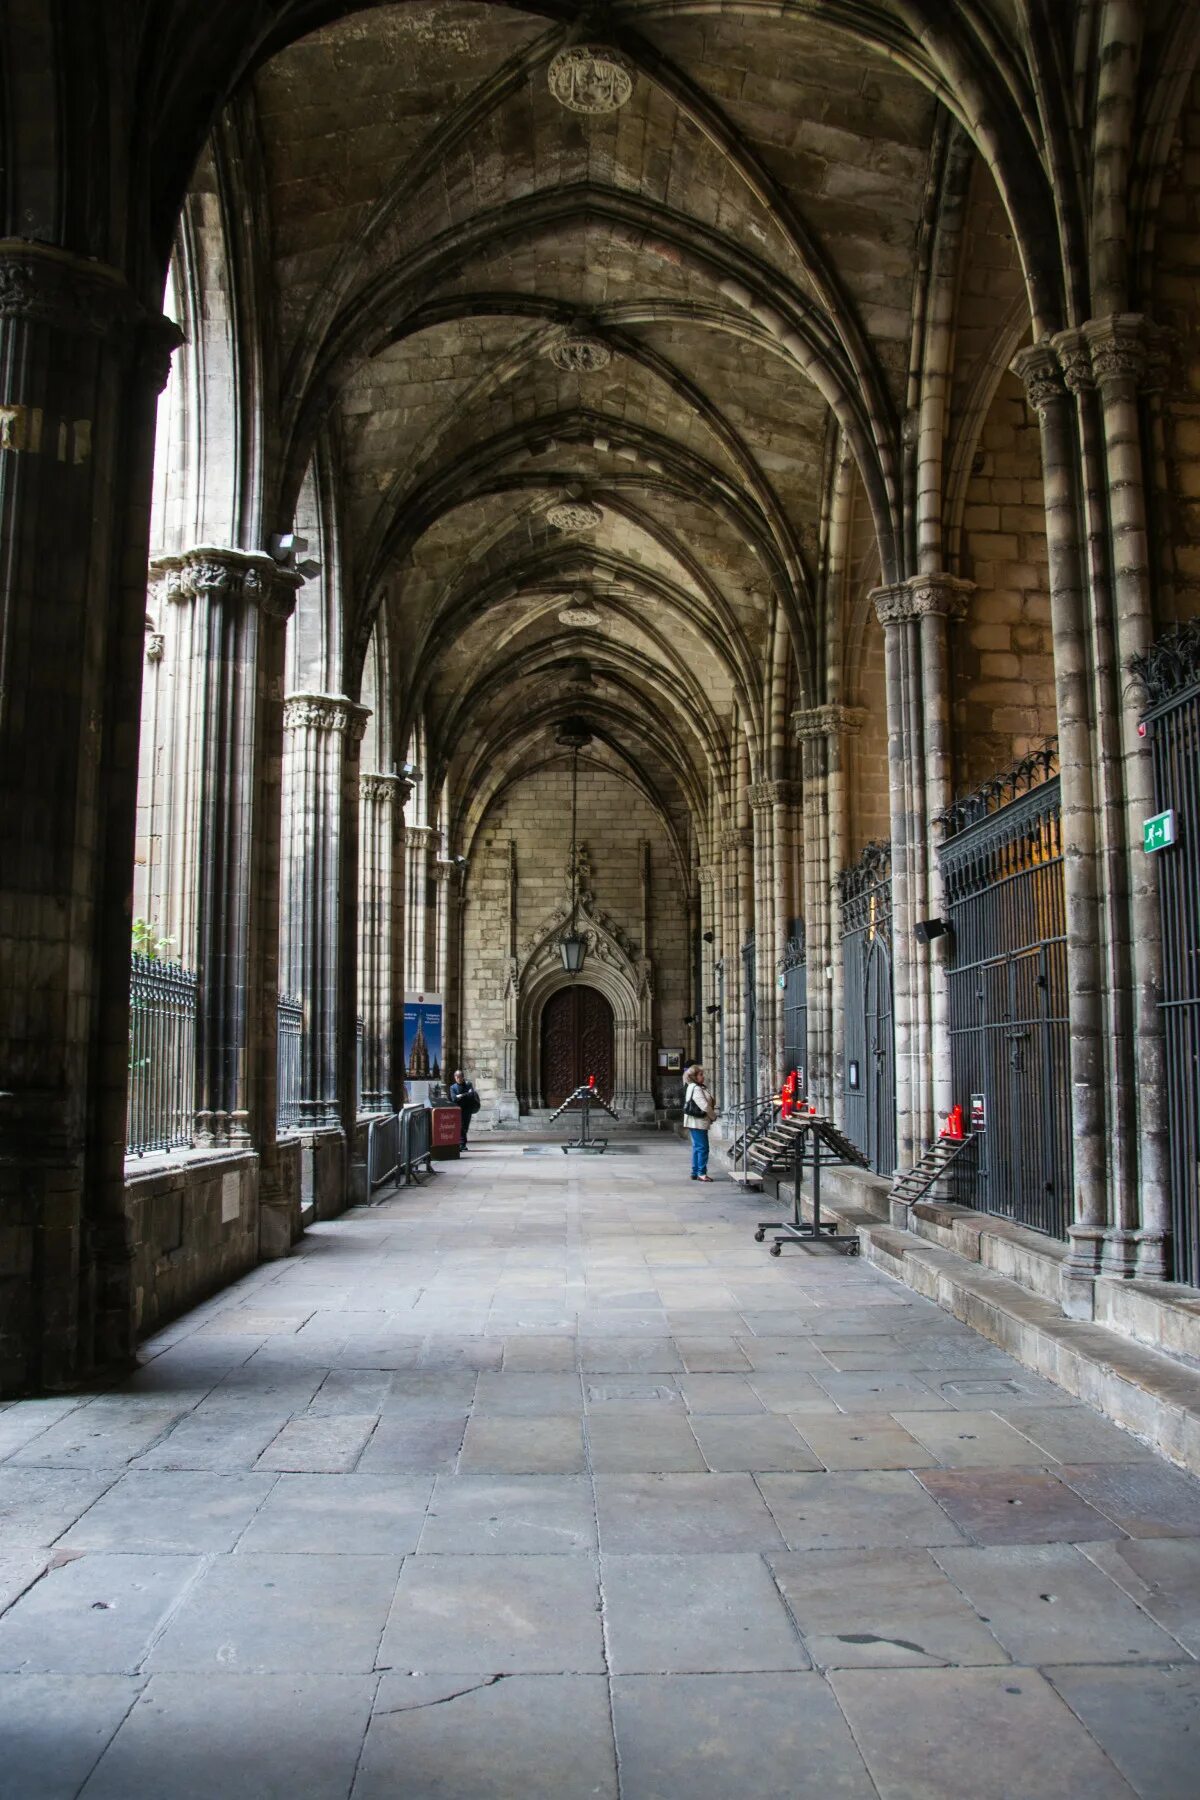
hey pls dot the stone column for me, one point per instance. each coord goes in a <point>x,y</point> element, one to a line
<point>762,814</point>
<point>737,842</point>
<point>1039,368</point>
<point>381,937</point>
<point>707,1036</point>
<point>420,840</point>
<point>321,733</point>
<point>81,365</point>
<point>822,731</point>
<point>448,879</point>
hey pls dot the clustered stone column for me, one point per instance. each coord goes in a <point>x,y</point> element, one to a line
<point>82,362</point>
<point>1088,388</point>
<point>737,844</point>
<point>821,732</point>
<point>419,970</point>
<point>915,615</point>
<point>321,737</point>
<point>381,938</point>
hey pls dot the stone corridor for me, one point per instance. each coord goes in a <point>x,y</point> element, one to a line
<point>545,1480</point>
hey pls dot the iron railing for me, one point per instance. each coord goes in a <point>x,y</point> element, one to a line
<point>288,1063</point>
<point>1007,1003</point>
<point>360,1032</point>
<point>162,1056</point>
<point>750,1019</point>
<point>793,974</point>
<point>1171,675</point>
<point>869,1072</point>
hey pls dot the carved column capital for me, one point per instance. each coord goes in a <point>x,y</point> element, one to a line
<point>708,874</point>
<point>892,604</point>
<point>44,285</point>
<point>224,574</point>
<point>1038,367</point>
<point>939,596</point>
<point>420,837</point>
<point>737,837</point>
<point>1127,347</point>
<point>380,788</point>
<point>764,795</point>
<point>829,721</point>
<point>325,712</point>
<point>1075,360</point>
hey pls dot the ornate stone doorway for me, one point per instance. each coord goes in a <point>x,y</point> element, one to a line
<point>578,1040</point>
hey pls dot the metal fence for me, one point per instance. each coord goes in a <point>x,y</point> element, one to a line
<point>793,973</point>
<point>1171,675</point>
<point>1007,996</point>
<point>750,1024</point>
<point>396,1145</point>
<point>162,1056</point>
<point>869,1074</point>
<point>291,1032</point>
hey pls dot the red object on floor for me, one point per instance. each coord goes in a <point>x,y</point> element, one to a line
<point>787,1094</point>
<point>954,1124</point>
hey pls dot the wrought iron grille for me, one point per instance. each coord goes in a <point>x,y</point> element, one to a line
<point>291,1032</point>
<point>750,1014</point>
<point>162,1056</point>
<point>1007,1003</point>
<point>793,974</point>
<point>1173,678</point>
<point>869,1073</point>
<point>360,1032</point>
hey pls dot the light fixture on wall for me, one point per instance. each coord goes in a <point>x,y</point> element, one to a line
<point>925,930</point>
<point>573,734</point>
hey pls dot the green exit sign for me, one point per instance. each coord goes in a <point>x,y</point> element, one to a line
<point>1159,831</point>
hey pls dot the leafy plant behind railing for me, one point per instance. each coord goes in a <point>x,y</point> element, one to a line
<point>149,942</point>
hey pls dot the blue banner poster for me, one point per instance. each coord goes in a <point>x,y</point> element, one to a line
<point>423,1038</point>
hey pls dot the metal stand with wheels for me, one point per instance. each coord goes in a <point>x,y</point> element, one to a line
<point>828,1146</point>
<point>585,1097</point>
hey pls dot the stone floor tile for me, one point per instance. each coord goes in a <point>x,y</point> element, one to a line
<point>404,1445</point>
<point>649,1392</point>
<point>509,1515</point>
<point>1075,1434</point>
<point>19,1569</point>
<point>732,1441</point>
<point>216,1438</point>
<point>972,1440</point>
<point>648,1514</point>
<point>100,1436</point>
<point>97,1614</point>
<point>446,1737</point>
<point>260,1614</point>
<point>54,1728</point>
<point>645,1439</point>
<point>530,1396</point>
<point>530,1355</point>
<point>276,1737</point>
<point>871,1509</point>
<point>791,1391</point>
<point>360,1514</point>
<point>38,1505</point>
<point>431,1394</point>
<point>172,1510</point>
<point>512,1615</point>
<point>862,1441</point>
<point>351,1391</point>
<point>267,1381</point>
<point>991,1734</point>
<point>1162,1575</point>
<point>21,1423</point>
<point>508,1446</point>
<point>1016,1506</point>
<point>318,1444</point>
<point>1048,1604</point>
<point>878,1390</point>
<point>996,1390</point>
<point>696,1613</point>
<point>1148,1720</point>
<point>713,1737</point>
<point>1147,1500</point>
<point>719,1394</point>
<point>862,1609</point>
<point>712,1355</point>
<point>628,1356</point>
<point>780,1354</point>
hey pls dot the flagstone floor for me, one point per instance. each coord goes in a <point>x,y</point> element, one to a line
<point>546,1481</point>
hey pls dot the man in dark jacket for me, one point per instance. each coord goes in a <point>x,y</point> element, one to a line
<point>463,1095</point>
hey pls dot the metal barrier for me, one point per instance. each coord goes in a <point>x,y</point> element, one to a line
<point>870,1056</point>
<point>162,1056</point>
<point>291,1031</point>
<point>396,1145</point>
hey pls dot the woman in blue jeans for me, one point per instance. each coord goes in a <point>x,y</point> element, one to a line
<point>696,1095</point>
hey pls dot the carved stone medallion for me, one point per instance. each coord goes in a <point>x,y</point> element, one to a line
<point>590,78</point>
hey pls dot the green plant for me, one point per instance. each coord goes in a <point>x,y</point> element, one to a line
<point>149,943</point>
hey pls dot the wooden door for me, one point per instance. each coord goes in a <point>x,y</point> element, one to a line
<point>577,1041</point>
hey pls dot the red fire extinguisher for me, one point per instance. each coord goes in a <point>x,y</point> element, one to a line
<point>788,1094</point>
<point>954,1123</point>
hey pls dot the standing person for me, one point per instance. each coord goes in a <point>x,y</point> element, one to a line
<point>464,1096</point>
<point>699,1111</point>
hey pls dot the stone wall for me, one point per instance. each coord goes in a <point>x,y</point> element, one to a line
<point>1003,665</point>
<point>531,824</point>
<point>195,1229</point>
<point>1176,304</point>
